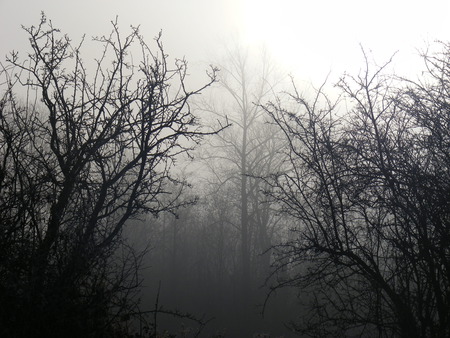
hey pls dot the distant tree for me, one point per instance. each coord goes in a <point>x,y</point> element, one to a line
<point>368,187</point>
<point>85,151</point>
<point>246,151</point>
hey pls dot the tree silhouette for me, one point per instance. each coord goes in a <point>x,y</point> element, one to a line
<point>369,191</point>
<point>87,150</point>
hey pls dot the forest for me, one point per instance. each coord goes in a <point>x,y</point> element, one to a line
<point>134,203</point>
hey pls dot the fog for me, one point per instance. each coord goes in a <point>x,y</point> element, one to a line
<point>237,236</point>
<point>309,39</point>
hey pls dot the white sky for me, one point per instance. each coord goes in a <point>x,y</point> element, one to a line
<point>309,38</point>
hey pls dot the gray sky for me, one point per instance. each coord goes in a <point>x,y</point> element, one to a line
<point>308,38</point>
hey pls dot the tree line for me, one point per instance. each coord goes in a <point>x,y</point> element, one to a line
<point>343,201</point>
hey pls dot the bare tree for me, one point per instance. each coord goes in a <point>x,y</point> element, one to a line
<point>247,150</point>
<point>81,156</point>
<point>369,192</point>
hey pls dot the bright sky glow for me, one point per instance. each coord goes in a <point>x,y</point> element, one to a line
<point>308,38</point>
<point>313,37</point>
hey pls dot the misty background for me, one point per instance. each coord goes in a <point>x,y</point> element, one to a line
<point>308,39</point>
<point>194,256</point>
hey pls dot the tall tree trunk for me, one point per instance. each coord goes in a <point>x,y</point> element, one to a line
<point>245,247</point>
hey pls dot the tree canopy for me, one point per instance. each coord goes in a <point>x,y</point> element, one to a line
<point>87,150</point>
<point>368,187</point>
